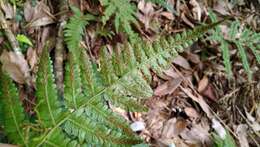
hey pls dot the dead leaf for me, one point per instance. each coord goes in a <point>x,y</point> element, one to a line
<point>173,127</point>
<point>146,13</point>
<point>191,112</point>
<point>198,134</point>
<point>210,92</point>
<point>196,10</point>
<point>41,15</point>
<point>220,130</point>
<point>32,57</point>
<point>168,15</point>
<point>199,100</point>
<point>168,87</point>
<point>179,60</point>
<point>186,20</point>
<point>16,66</point>
<point>8,10</point>
<point>203,84</point>
<point>241,132</point>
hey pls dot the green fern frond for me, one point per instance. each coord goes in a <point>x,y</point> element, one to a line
<point>85,119</point>
<point>217,36</point>
<point>74,30</point>
<point>242,38</point>
<point>13,116</point>
<point>48,104</point>
<point>124,13</point>
<point>72,91</point>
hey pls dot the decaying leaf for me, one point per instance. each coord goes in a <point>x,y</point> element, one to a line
<point>168,87</point>
<point>16,66</point>
<point>203,84</point>
<point>179,60</point>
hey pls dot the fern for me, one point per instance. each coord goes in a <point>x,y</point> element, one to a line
<point>124,13</point>
<point>83,117</point>
<point>242,38</point>
<point>12,116</point>
<point>75,29</point>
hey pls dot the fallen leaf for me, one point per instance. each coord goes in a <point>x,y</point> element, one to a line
<point>41,16</point>
<point>28,11</point>
<point>191,112</point>
<point>179,60</point>
<point>8,10</point>
<point>146,13</point>
<point>16,66</point>
<point>198,134</point>
<point>186,20</point>
<point>173,127</point>
<point>168,15</point>
<point>210,92</point>
<point>32,57</point>
<point>168,87</point>
<point>7,145</point>
<point>203,84</point>
<point>196,10</point>
<point>199,100</point>
<point>241,132</point>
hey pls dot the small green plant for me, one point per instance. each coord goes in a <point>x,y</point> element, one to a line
<point>83,117</point>
<point>243,38</point>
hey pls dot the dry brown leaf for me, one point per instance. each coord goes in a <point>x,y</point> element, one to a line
<point>147,12</point>
<point>179,60</point>
<point>168,15</point>
<point>210,92</point>
<point>198,99</point>
<point>8,10</point>
<point>203,84</point>
<point>28,11</point>
<point>41,15</point>
<point>186,20</point>
<point>32,57</point>
<point>198,134</point>
<point>241,132</point>
<point>191,112</point>
<point>168,87</point>
<point>16,66</point>
<point>196,10</point>
<point>173,127</point>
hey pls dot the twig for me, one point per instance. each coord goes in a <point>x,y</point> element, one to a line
<point>59,48</point>
<point>9,34</point>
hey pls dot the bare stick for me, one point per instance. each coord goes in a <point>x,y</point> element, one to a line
<point>59,49</point>
<point>9,34</point>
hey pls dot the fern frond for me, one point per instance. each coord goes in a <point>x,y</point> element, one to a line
<point>13,116</point>
<point>48,104</point>
<point>74,30</point>
<point>243,38</point>
<point>243,57</point>
<point>124,13</point>
<point>72,91</point>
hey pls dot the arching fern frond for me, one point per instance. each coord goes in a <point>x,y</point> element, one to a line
<point>85,119</point>
<point>242,38</point>
<point>124,13</point>
<point>13,116</point>
<point>74,30</point>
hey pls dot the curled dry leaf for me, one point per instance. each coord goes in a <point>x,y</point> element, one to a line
<point>191,112</point>
<point>32,57</point>
<point>241,132</point>
<point>182,62</point>
<point>39,15</point>
<point>174,127</point>
<point>16,66</point>
<point>168,87</point>
<point>203,84</point>
<point>147,12</point>
<point>196,10</point>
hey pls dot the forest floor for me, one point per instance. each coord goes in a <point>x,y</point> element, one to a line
<point>194,97</point>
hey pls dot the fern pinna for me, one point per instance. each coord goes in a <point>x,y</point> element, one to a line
<point>83,117</point>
